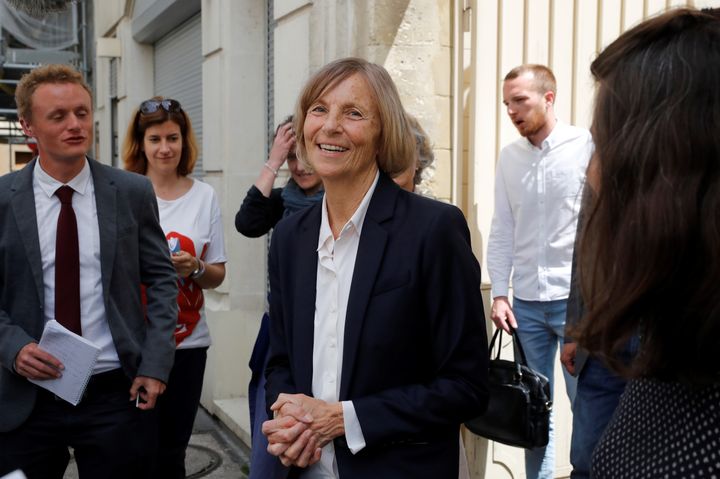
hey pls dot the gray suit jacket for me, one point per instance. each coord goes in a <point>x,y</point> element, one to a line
<point>133,251</point>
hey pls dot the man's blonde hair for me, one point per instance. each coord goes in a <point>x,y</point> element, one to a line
<point>54,73</point>
<point>544,79</point>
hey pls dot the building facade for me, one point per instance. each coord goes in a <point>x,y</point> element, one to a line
<point>237,67</point>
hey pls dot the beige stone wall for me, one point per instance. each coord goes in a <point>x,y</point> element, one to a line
<point>233,153</point>
<point>414,45</point>
<point>107,14</point>
<point>411,38</point>
<point>5,159</point>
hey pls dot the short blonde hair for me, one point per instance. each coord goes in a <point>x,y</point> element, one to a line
<point>543,77</point>
<point>134,158</point>
<point>54,73</point>
<point>396,143</point>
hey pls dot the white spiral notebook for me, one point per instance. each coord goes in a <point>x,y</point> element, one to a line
<point>77,354</point>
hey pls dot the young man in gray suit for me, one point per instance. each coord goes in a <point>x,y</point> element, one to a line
<point>111,246</point>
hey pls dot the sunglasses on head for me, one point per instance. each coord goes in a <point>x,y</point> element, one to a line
<point>151,106</point>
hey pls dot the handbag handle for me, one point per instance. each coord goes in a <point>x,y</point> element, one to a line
<point>518,357</point>
<point>519,349</point>
<point>492,344</point>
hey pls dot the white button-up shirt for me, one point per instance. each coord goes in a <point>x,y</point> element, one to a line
<point>92,308</point>
<point>537,200</point>
<point>336,264</point>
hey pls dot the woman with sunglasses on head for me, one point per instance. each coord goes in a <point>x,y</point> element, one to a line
<point>160,144</point>
<point>261,209</point>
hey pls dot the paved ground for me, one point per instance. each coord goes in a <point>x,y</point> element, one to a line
<point>214,452</point>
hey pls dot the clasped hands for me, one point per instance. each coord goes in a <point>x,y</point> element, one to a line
<point>301,426</point>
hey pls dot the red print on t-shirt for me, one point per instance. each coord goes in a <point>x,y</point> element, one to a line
<point>190,295</point>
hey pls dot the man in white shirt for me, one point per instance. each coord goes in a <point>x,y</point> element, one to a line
<point>77,241</point>
<point>538,189</point>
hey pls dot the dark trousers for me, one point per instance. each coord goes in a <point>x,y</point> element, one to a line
<point>110,437</point>
<point>177,408</point>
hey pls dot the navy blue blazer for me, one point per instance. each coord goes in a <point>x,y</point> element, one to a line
<point>415,352</point>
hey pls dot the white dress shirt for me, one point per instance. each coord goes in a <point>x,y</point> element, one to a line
<point>336,264</point>
<point>537,200</point>
<point>92,308</point>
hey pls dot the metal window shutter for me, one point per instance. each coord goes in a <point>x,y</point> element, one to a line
<point>178,74</point>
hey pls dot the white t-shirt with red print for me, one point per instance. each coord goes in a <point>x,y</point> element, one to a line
<point>193,223</point>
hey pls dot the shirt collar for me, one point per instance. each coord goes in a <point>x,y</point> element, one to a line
<point>355,222</point>
<point>50,185</point>
<point>556,136</point>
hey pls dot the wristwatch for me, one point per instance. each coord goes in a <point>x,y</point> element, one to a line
<point>199,271</point>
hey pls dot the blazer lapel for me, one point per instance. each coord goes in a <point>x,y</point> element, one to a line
<point>106,204</point>
<point>303,324</point>
<point>23,205</point>
<point>371,251</point>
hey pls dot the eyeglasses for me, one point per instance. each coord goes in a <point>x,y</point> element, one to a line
<point>151,106</point>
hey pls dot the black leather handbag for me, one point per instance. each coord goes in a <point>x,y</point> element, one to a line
<point>518,412</point>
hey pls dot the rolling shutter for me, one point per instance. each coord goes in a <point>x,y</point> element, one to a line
<point>178,74</point>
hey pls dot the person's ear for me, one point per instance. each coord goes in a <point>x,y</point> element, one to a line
<point>27,129</point>
<point>549,98</point>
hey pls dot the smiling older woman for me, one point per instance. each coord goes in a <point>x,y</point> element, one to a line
<point>377,326</point>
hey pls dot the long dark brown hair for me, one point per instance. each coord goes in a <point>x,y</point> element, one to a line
<point>650,247</point>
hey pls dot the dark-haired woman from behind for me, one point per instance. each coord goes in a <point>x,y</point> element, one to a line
<point>649,263</point>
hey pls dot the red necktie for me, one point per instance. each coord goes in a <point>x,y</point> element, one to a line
<point>67,264</point>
